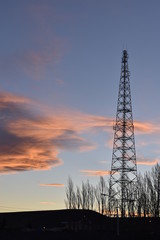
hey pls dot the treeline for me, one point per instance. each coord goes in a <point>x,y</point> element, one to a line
<point>87,196</point>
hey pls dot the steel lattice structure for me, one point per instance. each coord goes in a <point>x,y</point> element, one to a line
<point>123,176</point>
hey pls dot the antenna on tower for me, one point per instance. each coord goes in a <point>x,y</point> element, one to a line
<point>123,175</point>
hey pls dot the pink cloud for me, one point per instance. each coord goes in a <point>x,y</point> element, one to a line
<point>109,143</point>
<point>6,97</point>
<point>52,185</point>
<point>49,47</point>
<point>43,48</point>
<point>146,127</point>
<point>103,162</point>
<point>47,203</point>
<point>36,63</point>
<point>32,63</point>
<point>32,141</point>
<point>95,173</point>
<point>147,161</point>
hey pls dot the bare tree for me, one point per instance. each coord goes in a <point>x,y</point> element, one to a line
<point>78,198</point>
<point>144,195</point>
<point>139,195</point>
<point>131,199</point>
<point>70,194</point>
<point>147,195</point>
<point>98,198</point>
<point>92,197</point>
<point>156,186</point>
<point>84,196</point>
<point>101,192</point>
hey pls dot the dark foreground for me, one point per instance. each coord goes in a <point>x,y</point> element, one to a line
<point>75,224</point>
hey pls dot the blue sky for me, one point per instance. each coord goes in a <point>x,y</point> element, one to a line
<point>60,66</point>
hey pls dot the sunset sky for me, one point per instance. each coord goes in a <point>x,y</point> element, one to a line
<point>60,64</point>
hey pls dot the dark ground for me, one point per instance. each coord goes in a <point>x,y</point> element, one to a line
<point>75,224</point>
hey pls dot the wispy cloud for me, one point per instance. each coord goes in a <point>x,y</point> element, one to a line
<point>47,203</point>
<point>41,51</point>
<point>32,63</point>
<point>31,141</point>
<point>52,185</point>
<point>50,48</point>
<point>147,161</point>
<point>95,173</point>
<point>146,127</point>
<point>35,63</point>
<point>109,143</point>
<point>103,162</point>
<point>6,98</point>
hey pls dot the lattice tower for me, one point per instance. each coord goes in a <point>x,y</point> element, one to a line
<point>123,176</point>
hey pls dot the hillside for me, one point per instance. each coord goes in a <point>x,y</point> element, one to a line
<point>74,224</point>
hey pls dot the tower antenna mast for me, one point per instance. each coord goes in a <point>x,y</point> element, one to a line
<point>123,175</point>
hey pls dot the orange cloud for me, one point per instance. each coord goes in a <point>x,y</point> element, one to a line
<point>31,141</point>
<point>52,185</point>
<point>6,97</point>
<point>147,161</point>
<point>95,173</point>
<point>109,143</point>
<point>144,127</point>
<point>47,203</point>
<point>88,122</point>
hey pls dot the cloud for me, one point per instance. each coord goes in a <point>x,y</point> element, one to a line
<point>35,63</point>
<point>109,143</point>
<point>142,160</point>
<point>95,173</point>
<point>32,63</point>
<point>52,185</point>
<point>31,139</point>
<point>104,123</point>
<point>47,203</point>
<point>103,162</point>
<point>146,127</point>
<point>147,161</point>
<point>43,48</point>
<point>82,122</point>
<point>6,98</point>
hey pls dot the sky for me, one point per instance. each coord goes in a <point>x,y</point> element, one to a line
<point>60,63</point>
